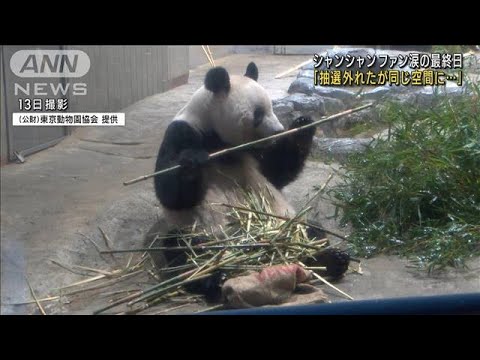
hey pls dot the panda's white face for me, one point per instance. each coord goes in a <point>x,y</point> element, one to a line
<point>246,113</point>
<point>238,111</point>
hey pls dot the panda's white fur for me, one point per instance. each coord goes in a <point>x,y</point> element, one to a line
<point>230,114</point>
<point>227,109</point>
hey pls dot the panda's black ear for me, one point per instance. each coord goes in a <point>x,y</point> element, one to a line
<point>217,80</point>
<point>252,71</point>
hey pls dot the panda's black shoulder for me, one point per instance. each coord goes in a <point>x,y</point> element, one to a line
<point>180,134</point>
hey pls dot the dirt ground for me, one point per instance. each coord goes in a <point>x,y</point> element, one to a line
<point>57,200</point>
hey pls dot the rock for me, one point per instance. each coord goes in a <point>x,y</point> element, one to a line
<point>330,128</point>
<point>376,93</point>
<point>471,63</point>
<point>281,107</point>
<point>382,92</point>
<point>428,96</point>
<point>305,86</point>
<point>310,66</point>
<point>298,104</point>
<point>425,96</point>
<point>307,103</point>
<point>306,73</point>
<point>284,111</point>
<point>301,85</point>
<point>335,92</point>
<point>450,89</point>
<point>333,105</point>
<point>337,149</point>
<point>293,106</point>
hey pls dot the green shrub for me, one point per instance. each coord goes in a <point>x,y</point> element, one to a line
<point>418,193</point>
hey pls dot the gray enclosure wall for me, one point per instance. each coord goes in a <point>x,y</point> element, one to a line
<point>122,75</point>
<point>118,77</point>
<point>3,118</point>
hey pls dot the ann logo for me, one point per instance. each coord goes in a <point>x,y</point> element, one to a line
<point>50,63</point>
<point>57,65</point>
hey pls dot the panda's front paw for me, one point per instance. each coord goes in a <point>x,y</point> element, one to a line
<point>192,158</point>
<point>335,260</point>
<point>306,135</point>
<point>301,121</point>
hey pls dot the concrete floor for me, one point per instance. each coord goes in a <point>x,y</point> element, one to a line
<point>60,196</point>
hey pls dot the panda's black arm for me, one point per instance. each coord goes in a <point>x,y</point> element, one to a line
<point>283,161</point>
<point>182,188</point>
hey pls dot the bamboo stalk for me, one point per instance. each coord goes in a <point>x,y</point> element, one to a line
<point>215,258</point>
<point>66,267</point>
<point>211,55</point>
<point>106,239</point>
<point>98,271</point>
<point>208,56</point>
<point>293,69</point>
<point>306,223</point>
<point>82,282</point>
<point>214,247</point>
<point>85,268</point>
<point>108,243</point>
<point>327,283</point>
<point>253,143</point>
<point>176,268</point>
<point>121,273</point>
<point>35,297</point>
<point>113,293</point>
<point>201,265</point>
<point>102,285</point>
<point>286,225</point>
<point>261,267</point>
<point>50,298</point>
<point>170,309</point>
<point>129,261</point>
<point>199,275</point>
<point>118,302</point>
<point>94,244</point>
<point>146,306</point>
<point>142,292</point>
<point>168,288</point>
<point>214,307</point>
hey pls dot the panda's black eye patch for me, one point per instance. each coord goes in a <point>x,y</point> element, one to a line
<point>258,115</point>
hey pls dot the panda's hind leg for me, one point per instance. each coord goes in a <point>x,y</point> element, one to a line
<point>315,233</point>
<point>171,262</point>
<point>176,253</point>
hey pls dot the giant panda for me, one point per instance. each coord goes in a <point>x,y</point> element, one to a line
<point>228,110</point>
